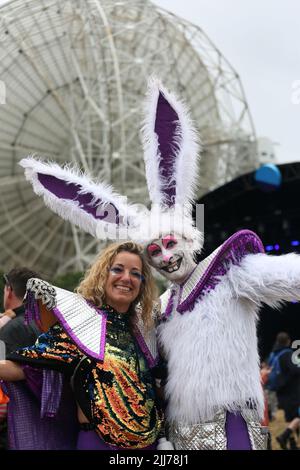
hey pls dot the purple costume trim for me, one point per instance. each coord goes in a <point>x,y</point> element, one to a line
<point>166,128</point>
<point>27,430</point>
<point>103,335</point>
<point>235,428</point>
<point>32,312</point>
<point>99,356</point>
<point>89,440</point>
<point>103,327</point>
<point>169,308</point>
<point>46,385</point>
<point>232,251</point>
<point>152,361</point>
<point>32,306</point>
<point>51,392</point>
<point>237,432</point>
<point>34,379</point>
<point>87,202</point>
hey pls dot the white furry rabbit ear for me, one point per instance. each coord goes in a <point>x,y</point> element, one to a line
<point>94,207</point>
<point>171,149</point>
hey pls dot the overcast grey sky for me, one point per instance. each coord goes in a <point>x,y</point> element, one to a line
<point>261,40</point>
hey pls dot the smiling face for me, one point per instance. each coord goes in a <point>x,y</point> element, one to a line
<point>172,257</point>
<point>124,281</point>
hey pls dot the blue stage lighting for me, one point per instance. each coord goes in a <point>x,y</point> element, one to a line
<point>269,247</point>
<point>276,247</point>
<point>295,243</point>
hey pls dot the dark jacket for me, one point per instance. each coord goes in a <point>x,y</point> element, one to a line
<point>289,394</point>
<point>15,334</point>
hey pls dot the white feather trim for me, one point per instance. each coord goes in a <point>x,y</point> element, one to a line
<point>163,222</point>
<point>135,225</point>
<point>267,279</point>
<point>103,195</point>
<point>212,357</point>
<point>212,350</point>
<point>186,149</point>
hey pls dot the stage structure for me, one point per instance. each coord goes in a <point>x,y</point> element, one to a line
<point>75,74</point>
<point>274,215</point>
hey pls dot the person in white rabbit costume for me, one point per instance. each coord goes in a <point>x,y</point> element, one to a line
<point>209,313</point>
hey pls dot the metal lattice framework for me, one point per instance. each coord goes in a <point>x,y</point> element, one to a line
<point>75,74</point>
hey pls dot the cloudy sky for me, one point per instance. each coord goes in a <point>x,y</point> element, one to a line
<point>261,40</point>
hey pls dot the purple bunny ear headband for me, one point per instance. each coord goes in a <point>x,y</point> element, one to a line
<point>170,153</point>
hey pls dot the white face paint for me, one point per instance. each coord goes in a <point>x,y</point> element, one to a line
<point>172,257</point>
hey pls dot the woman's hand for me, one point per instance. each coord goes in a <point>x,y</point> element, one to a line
<point>11,371</point>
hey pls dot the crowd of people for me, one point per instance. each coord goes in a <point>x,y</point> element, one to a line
<point>281,380</point>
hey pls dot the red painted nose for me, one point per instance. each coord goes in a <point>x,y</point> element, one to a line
<point>166,258</point>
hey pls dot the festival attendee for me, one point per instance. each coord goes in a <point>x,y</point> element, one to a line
<point>208,327</point>
<point>14,333</point>
<point>288,390</point>
<point>112,383</point>
<point>264,374</point>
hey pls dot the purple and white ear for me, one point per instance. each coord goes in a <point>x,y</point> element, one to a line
<point>94,207</point>
<point>170,149</point>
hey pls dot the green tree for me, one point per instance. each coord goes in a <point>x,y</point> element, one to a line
<point>68,281</point>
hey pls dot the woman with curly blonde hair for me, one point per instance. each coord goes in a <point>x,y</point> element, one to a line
<point>92,287</point>
<point>114,388</point>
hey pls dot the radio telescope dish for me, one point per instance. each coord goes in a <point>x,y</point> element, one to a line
<point>75,75</point>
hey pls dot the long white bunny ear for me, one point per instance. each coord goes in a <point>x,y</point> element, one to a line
<point>170,148</point>
<point>94,207</point>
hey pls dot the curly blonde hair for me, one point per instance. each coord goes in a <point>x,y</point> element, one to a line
<point>92,287</point>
